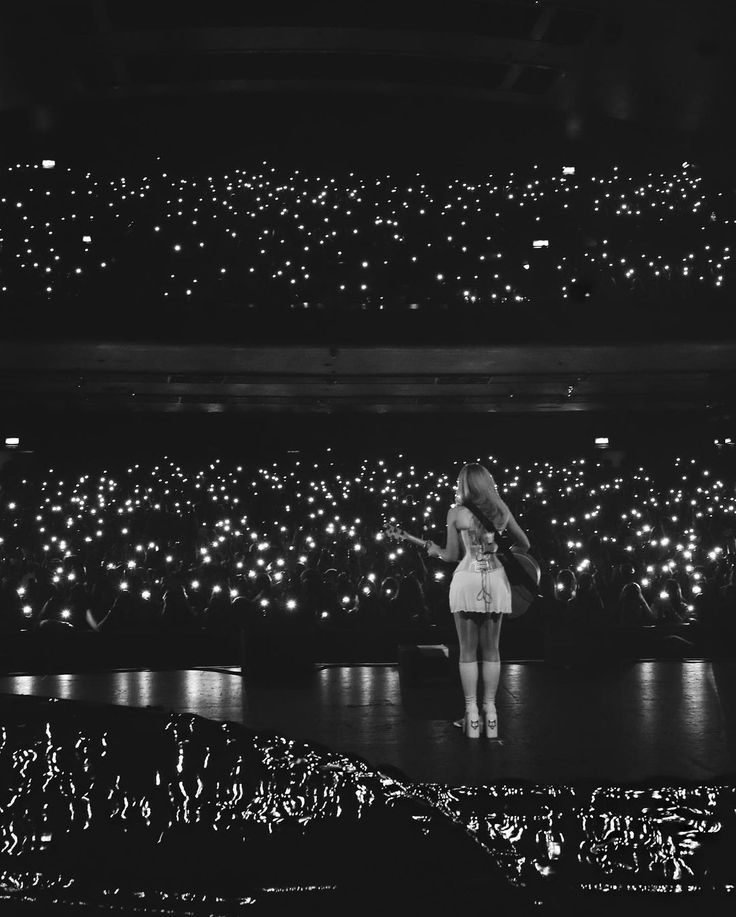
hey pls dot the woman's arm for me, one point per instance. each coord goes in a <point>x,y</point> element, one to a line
<point>452,552</point>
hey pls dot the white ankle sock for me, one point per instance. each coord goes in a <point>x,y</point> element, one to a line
<point>469,680</point>
<point>491,675</point>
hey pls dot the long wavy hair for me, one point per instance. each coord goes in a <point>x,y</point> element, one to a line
<point>475,485</point>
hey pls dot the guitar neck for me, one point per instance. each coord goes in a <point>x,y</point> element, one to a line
<point>407,537</point>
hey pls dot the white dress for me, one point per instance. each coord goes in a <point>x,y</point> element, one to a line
<point>479,583</point>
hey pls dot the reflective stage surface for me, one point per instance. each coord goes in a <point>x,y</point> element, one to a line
<point>616,785</point>
<point>607,723</point>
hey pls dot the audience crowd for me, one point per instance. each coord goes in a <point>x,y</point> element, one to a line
<point>162,241</point>
<point>164,547</point>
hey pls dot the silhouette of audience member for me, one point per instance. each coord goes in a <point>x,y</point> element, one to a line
<point>54,617</point>
<point>724,615</point>
<point>545,612</point>
<point>12,619</point>
<point>39,589</point>
<point>218,615</point>
<point>78,604</point>
<point>408,606</point>
<point>586,607</point>
<point>388,591</point>
<point>566,586</point>
<point>345,595</point>
<point>368,607</point>
<point>177,615</point>
<point>669,607</point>
<point>633,610</point>
<point>310,593</point>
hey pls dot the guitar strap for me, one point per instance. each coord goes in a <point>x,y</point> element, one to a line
<point>514,570</point>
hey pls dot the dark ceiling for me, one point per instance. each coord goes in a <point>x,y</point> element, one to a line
<point>371,78</point>
<point>437,83</point>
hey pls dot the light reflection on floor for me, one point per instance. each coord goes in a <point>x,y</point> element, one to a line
<point>625,723</point>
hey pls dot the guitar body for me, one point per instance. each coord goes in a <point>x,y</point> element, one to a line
<point>522,596</point>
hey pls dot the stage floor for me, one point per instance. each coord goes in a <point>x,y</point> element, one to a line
<point>671,719</point>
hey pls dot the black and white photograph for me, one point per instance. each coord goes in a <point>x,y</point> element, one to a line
<point>367,457</point>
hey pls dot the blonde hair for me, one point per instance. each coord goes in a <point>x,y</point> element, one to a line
<point>475,485</point>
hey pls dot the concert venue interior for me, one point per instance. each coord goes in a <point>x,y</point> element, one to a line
<point>270,277</point>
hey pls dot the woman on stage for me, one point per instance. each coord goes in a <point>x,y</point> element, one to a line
<point>480,594</point>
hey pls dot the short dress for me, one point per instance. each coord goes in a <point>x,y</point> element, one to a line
<point>479,583</point>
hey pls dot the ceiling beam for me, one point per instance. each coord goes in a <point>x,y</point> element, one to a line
<point>460,46</point>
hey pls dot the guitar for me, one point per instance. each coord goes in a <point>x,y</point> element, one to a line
<point>522,596</point>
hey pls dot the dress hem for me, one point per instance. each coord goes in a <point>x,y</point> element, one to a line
<point>478,611</point>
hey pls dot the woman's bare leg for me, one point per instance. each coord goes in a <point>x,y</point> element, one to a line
<point>467,633</point>
<point>489,633</point>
